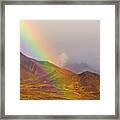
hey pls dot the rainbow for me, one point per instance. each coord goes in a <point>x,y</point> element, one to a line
<point>40,46</point>
<point>34,40</point>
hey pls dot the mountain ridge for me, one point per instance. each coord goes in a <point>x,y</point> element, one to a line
<point>79,68</point>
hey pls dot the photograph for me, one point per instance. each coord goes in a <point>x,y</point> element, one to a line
<point>59,60</point>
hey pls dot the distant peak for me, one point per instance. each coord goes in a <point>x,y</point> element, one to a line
<point>89,73</point>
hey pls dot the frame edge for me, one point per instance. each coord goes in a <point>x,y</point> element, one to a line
<point>2,95</point>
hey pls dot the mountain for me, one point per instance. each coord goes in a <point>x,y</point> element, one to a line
<point>79,68</point>
<point>46,81</point>
<point>90,81</point>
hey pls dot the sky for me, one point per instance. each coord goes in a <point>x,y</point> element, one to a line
<point>62,42</point>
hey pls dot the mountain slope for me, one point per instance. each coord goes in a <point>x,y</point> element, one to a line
<point>79,68</point>
<point>44,80</point>
<point>90,83</point>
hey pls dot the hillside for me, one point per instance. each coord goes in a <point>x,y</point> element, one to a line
<point>46,81</point>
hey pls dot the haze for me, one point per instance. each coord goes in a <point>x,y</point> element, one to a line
<point>75,42</point>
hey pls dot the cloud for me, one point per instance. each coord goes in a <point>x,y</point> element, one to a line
<point>62,59</point>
